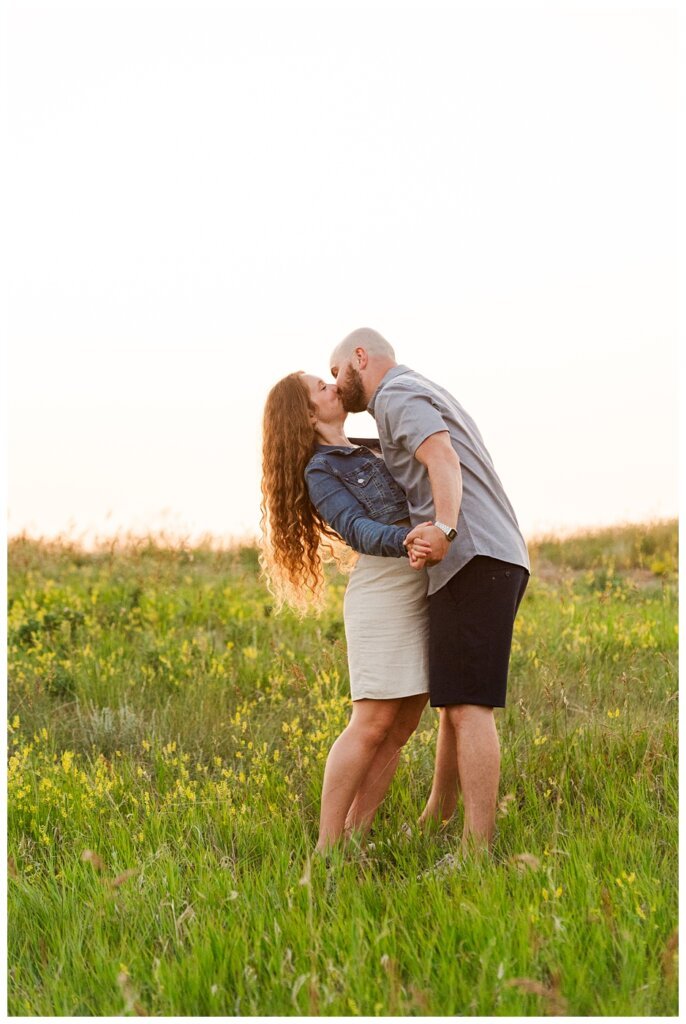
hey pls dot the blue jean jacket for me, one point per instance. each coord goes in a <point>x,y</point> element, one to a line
<point>354,492</point>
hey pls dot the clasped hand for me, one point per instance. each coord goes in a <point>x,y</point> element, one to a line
<point>426,545</point>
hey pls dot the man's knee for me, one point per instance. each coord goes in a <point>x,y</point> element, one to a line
<point>461,716</point>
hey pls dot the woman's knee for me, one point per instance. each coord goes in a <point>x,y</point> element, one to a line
<point>373,722</point>
<point>408,718</point>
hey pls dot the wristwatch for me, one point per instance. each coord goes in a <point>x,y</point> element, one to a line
<point>450,533</point>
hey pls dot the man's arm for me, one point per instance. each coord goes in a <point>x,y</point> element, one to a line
<point>442,464</point>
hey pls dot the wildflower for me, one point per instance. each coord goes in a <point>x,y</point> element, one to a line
<point>97,862</point>
<point>123,877</point>
<point>526,860</point>
<point>250,653</point>
<point>504,804</point>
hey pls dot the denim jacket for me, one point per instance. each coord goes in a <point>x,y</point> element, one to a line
<point>354,492</point>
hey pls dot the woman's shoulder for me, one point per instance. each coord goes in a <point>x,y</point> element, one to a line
<point>317,460</point>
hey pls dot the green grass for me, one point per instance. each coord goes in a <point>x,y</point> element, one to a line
<point>161,716</point>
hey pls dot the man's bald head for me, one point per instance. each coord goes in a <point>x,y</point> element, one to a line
<point>359,363</point>
<point>370,340</point>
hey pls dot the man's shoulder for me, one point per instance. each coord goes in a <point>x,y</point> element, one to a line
<point>407,385</point>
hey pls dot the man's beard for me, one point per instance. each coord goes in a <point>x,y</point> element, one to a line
<point>352,391</point>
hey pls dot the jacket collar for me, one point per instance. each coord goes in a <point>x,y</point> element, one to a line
<point>342,449</point>
<point>355,444</point>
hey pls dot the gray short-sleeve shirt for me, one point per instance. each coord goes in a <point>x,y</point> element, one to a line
<point>408,408</point>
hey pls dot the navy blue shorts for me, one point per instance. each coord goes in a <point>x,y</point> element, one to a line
<point>471,619</point>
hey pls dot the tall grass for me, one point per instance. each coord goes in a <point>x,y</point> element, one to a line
<point>167,737</point>
<point>637,546</point>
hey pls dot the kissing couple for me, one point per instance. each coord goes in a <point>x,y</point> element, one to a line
<point>430,605</point>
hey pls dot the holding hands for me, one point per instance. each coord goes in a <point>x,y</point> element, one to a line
<point>427,545</point>
<point>418,549</point>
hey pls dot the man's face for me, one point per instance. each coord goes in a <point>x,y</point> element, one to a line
<point>350,387</point>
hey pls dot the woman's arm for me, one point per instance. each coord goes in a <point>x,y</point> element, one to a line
<point>344,514</point>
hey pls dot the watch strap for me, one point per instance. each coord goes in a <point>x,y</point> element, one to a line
<point>449,531</point>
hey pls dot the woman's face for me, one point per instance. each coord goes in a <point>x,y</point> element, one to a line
<point>325,399</point>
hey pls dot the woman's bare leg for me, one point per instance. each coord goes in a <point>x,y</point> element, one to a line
<point>445,786</point>
<point>374,785</point>
<point>349,761</point>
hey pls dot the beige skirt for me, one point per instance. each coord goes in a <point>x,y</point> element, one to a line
<point>386,614</point>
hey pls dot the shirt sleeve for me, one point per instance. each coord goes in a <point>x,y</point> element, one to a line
<point>343,512</point>
<point>409,418</point>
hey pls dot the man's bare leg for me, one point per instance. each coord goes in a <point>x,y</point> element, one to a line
<point>375,784</point>
<point>445,785</point>
<point>478,763</point>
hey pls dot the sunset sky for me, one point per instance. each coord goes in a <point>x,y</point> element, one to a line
<point>205,197</point>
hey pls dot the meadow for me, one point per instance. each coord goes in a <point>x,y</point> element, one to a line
<point>167,734</point>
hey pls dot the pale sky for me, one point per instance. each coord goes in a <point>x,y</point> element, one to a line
<point>206,197</point>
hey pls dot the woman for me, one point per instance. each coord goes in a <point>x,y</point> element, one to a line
<point>317,486</point>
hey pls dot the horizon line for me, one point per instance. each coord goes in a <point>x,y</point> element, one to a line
<point>175,539</point>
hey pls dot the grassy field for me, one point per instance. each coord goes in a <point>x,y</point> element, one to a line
<point>167,736</point>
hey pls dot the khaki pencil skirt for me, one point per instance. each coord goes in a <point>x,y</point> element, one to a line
<point>386,615</point>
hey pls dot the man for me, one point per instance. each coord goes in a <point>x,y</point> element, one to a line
<point>479,563</point>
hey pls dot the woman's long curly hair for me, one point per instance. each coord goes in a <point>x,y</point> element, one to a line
<point>296,541</point>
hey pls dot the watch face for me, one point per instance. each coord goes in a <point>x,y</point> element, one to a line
<point>452,534</point>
